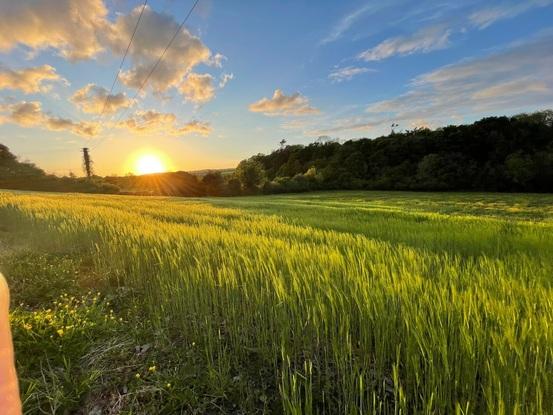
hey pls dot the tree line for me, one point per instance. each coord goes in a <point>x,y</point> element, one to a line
<point>503,154</point>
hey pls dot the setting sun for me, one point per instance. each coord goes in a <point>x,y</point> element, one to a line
<point>149,163</point>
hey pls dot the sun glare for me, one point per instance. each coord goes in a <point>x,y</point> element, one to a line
<point>149,163</point>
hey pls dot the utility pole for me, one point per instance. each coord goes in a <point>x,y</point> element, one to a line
<point>87,163</point>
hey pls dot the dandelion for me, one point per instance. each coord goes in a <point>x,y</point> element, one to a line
<point>168,386</point>
<point>137,376</point>
<point>152,369</point>
<point>60,332</point>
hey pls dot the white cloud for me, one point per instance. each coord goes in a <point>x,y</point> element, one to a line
<point>155,32</point>
<point>30,114</point>
<point>345,23</point>
<point>217,60</point>
<point>194,127</point>
<point>148,121</point>
<point>152,122</point>
<point>295,124</point>
<point>29,80</point>
<point>437,36</point>
<point>24,113</point>
<point>347,73</point>
<point>513,88</point>
<point>82,128</point>
<point>280,104</point>
<point>486,17</point>
<point>518,78</point>
<point>198,88</point>
<point>95,99</point>
<point>73,27</point>
<point>225,78</point>
<point>423,41</point>
<point>82,29</point>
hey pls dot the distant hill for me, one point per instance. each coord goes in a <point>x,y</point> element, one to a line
<point>180,183</point>
<point>202,173</point>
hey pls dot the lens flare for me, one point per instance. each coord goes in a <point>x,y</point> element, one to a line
<point>149,163</point>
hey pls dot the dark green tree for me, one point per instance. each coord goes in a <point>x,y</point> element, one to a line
<point>251,174</point>
<point>213,183</point>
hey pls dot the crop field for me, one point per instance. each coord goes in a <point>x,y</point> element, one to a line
<point>324,303</point>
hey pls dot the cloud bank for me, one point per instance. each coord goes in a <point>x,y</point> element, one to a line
<point>75,28</point>
<point>95,99</point>
<point>347,73</point>
<point>30,114</point>
<point>29,80</point>
<point>517,78</point>
<point>488,16</point>
<point>81,29</point>
<point>155,32</point>
<point>197,88</point>
<point>423,41</point>
<point>151,121</point>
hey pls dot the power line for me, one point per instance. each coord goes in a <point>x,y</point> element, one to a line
<point>116,75</point>
<point>123,60</point>
<point>86,151</point>
<point>161,56</point>
<point>120,67</point>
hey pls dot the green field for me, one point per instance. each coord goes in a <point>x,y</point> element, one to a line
<point>324,303</point>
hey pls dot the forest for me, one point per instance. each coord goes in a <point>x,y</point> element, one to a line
<point>494,154</point>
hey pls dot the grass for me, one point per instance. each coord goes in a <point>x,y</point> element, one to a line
<point>346,302</point>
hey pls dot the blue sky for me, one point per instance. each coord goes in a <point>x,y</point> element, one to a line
<point>246,74</point>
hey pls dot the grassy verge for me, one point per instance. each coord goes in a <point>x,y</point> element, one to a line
<point>96,352</point>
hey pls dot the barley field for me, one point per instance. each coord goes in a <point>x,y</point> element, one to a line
<point>324,303</point>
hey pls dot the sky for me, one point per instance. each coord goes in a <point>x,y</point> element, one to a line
<point>242,75</point>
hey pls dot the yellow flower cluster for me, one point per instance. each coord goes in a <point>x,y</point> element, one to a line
<point>67,315</point>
